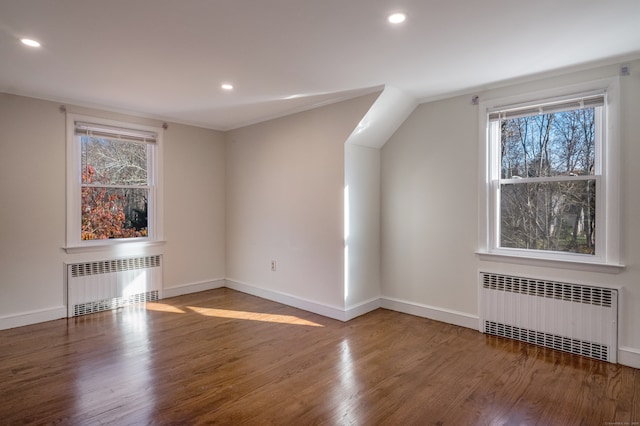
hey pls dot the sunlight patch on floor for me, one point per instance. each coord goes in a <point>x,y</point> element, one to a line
<point>163,307</point>
<point>253,316</point>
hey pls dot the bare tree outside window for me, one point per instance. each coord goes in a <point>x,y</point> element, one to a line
<point>548,183</point>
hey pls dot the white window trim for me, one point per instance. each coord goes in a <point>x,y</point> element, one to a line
<point>609,260</point>
<point>74,244</point>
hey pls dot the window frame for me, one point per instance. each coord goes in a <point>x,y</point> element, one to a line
<point>607,257</point>
<point>74,242</point>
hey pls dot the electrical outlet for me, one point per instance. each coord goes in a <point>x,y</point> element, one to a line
<point>273,265</point>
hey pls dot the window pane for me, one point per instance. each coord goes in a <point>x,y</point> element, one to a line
<point>556,144</point>
<point>113,162</point>
<point>552,216</point>
<point>114,213</point>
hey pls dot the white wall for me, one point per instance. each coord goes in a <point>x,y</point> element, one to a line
<point>285,182</point>
<point>194,209</point>
<point>362,225</point>
<point>32,206</point>
<point>32,211</point>
<point>430,207</point>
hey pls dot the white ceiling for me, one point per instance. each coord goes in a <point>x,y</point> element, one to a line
<point>167,58</point>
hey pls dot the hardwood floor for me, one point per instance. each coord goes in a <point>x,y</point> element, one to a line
<point>225,357</point>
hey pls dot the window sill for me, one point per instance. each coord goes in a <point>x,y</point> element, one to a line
<point>608,268</point>
<point>120,247</point>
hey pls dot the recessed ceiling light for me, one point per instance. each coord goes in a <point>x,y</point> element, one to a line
<point>397,18</point>
<point>29,42</point>
<point>226,86</point>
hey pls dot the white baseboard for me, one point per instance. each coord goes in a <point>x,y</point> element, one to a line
<point>431,312</point>
<point>289,300</point>
<point>193,288</point>
<point>629,356</point>
<point>362,308</point>
<point>33,317</point>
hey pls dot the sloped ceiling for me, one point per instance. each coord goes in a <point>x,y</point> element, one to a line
<point>166,59</point>
<point>390,109</point>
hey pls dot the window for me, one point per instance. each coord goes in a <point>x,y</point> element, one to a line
<point>113,193</point>
<point>551,186</point>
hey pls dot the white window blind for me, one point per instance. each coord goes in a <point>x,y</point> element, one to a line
<point>547,108</point>
<point>110,132</point>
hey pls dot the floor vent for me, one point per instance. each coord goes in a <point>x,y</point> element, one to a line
<point>111,284</point>
<point>573,318</point>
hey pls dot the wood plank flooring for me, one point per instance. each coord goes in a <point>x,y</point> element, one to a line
<point>224,357</point>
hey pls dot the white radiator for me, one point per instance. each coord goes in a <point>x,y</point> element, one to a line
<point>569,317</point>
<point>110,284</point>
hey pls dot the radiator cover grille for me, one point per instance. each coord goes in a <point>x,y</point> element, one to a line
<point>552,341</point>
<point>113,303</point>
<point>116,265</point>
<point>573,318</point>
<point>550,289</point>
